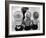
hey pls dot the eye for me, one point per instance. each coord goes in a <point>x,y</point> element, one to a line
<point>18,16</point>
<point>35,15</point>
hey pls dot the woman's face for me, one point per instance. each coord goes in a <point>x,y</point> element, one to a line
<point>28,14</point>
<point>35,15</point>
<point>18,17</point>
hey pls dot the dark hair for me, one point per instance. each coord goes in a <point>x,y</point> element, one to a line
<point>24,9</point>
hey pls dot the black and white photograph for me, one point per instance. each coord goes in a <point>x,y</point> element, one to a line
<point>25,19</point>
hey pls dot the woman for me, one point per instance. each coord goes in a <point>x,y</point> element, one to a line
<point>18,20</point>
<point>35,21</point>
<point>27,21</point>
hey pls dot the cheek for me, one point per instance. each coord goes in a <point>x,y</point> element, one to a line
<point>32,18</point>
